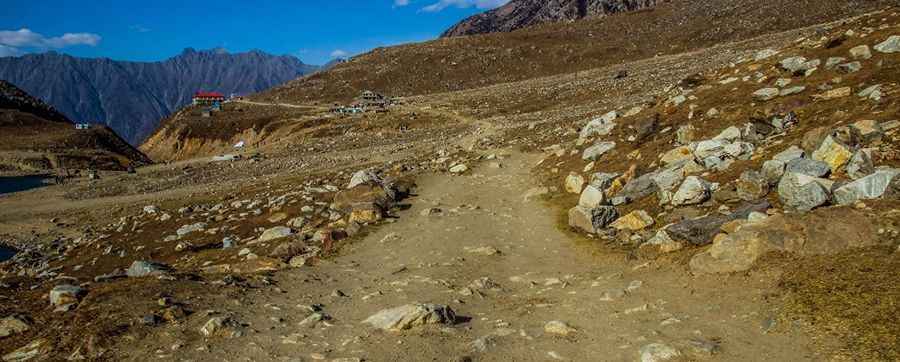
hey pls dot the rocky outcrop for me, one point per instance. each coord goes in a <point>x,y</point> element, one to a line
<point>518,14</point>
<point>811,234</point>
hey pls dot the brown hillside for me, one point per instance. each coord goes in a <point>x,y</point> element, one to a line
<point>560,48</point>
<point>36,138</point>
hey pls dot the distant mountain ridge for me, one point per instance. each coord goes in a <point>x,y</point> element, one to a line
<point>133,97</point>
<point>518,14</point>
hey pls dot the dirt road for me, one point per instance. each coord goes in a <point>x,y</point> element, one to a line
<point>540,275</point>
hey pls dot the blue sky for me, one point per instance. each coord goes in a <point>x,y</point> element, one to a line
<point>313,30</point>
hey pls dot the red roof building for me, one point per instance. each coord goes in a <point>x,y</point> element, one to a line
<point>208,98</point>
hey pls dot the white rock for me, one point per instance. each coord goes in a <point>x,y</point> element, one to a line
<point>592,197</point>
<point>693,190</point>
<point>411,315</point>
<point>458,169</point>
<point>658,352</point>
<point>891,45</point>
<point>596,151</point>
<point>277,232</point>
<point>558,327</point>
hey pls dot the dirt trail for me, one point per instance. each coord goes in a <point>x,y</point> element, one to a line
<point>543,276</point>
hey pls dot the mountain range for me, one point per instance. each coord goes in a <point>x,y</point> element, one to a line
<point>133,97</point>
<point>518,14</point>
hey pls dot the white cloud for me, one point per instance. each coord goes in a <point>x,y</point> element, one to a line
<point>399,3</point>
<point>339,54</point>
<point>12,40</point>
<point>480,4</point>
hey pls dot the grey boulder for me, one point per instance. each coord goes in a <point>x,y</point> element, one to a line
<point>867,188</point>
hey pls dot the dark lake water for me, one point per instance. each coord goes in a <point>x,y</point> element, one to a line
<point>16,184</point>
<point>6,253</point>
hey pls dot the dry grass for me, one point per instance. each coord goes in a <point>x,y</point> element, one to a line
<point>854,296</point>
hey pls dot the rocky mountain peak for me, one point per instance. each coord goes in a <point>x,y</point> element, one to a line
<point>518,14</point>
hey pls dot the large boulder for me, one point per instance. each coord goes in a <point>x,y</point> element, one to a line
<point>639,188</point>
<point>596,151</point>
<point>410,316</point>
<point>362,177</point>
<point>681,153</point>
<point>766,94</point>
<point>367,193</point>
<point>692,191</point>
<point>13,325</point>
<point>710,148</point>
<point>600,126</point>
<point>803,193</point>
<point>866,188</point>
<point>574,183</point>
<point>666,183</point>
<point>752,185</point>
<point>700,231</point>
<point>891,45</point>
<point>808,167</point>
<point>592,220</point>
<point>809,234</point>
<point>603,180</point>
<point>867,131</point>
<point>592,197</point>
<point>634,221</point>
<point>860,164</point>
<point>834,153</point>
<point>274,233</point>
<point>141,268</point>
<point>66,294</point>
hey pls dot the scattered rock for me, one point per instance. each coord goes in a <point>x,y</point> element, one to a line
<point>558,327</point>
<point>483,250</point>
<point>30,351</point>
<point>860,164</point>
<point>679,154</point>
<point>458,169</point>
<point>274,233</point>
<point>592,220</point>
<point>658,352</point>
<point>861,52</point>
<point>867,131</point>
<point>766,94</point>
<point>700,231</point>
<point>663,243</point>
<point>410,316</point>
<point>685,134</point>
<point>574,183</point>
<point>596,151</point>
<point>592,197</point>
<point>803,193</point>
<point>140,268</point>
<point>891,45</point>
<point>832,152</point>
<point>693,190</point>
<point>752,185</point>
<point>221,327</point>
<point>601,126</point>
<point>13,325</point>
<point>187,229</point>
<point>809,234</point>
<point>635,221</point>
<point>867,188</point>
<point>363,177</point>
<point>808,167</point>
